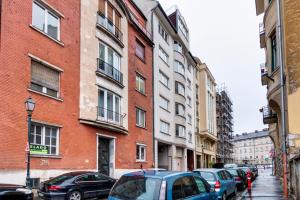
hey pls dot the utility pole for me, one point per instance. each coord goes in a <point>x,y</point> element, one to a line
<point>282,93</point>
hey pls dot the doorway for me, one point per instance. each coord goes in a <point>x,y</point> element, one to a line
<point>103,156</point>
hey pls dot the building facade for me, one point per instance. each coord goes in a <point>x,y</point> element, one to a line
<point>206,137</point>
<point>225,126</point>
<point>271,72</point>
<point>253,148</point>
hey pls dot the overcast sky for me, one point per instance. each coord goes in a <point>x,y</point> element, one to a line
<point>225,35</point>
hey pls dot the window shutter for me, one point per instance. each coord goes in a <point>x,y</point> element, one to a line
<point>117,20</point>
<point>110,12</point>
<point>44,76</point>
<point>102,6</point>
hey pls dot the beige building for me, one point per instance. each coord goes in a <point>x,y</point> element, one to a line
<point>206,136</point>
<point>253,148</point>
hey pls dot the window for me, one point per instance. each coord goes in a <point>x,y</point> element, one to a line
<point>163,55</point>
<point>110,62</point>
<point>189,101</point>
<point>178,47</point>
<point>140,118</point>
<point>184,187</point>
<point>189,83</point>
<point>201,185</point>
<point>109,107</point>
<point>164,103</point>
<point>189,119</point>
<point>179,88</point>
<point>180,109</point>
<point>190,137</point>
<point>164,127</point>
<point>140,83</point>
<point>45,20</point>
<point>140,50</point>
<point>180,131</point>
<point>44,79</point>
<point>163,79</point>
<point>141,152</point>
<point>179,68</point>
<point>273,52</point>
<point>183,28</point>
<point>44,135</point>
<point>163,33</point>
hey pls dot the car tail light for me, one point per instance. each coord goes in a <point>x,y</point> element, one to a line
<point>217,185</point>
<point>238,178</point>
<point>53,187</point>
<point>162,195</point>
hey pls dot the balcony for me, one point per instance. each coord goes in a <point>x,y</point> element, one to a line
<point>209,136</point>
<point>264,74</point>
<point>269,116</point>
<point>262,35</point>
<point>107,26</point>
<point>109,117</point>
<point>107,70</point>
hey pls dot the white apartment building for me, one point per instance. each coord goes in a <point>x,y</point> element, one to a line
<point>174,88</point>
<point>253,148</point>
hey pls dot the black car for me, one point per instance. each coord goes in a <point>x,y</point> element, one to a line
<point>15,192</point>
<point>76,186</point>
<point>240,177</point>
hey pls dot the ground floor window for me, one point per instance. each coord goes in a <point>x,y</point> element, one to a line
<point>141,152</point>
<point>44,137</point>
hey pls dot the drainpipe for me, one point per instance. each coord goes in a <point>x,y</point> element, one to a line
<point>282,92</point>
<point>153,94</point>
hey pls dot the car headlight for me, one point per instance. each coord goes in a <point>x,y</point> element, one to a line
<point>24,190</point>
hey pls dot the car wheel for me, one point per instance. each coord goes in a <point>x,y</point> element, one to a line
<point>224,196</point>
<point>75,195</point>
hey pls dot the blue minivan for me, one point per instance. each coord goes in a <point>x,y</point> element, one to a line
<point>162,185</point>
<point>221,180</point>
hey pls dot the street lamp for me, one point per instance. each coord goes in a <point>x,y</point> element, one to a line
<point>29,105</point>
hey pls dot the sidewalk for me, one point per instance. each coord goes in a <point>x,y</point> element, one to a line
<point>265,187</point>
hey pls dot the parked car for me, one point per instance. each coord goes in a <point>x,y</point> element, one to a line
<point>15,192</point>
<point>240,177</point>
<point>246,169</point>
<point>162,185</point>
<point>76,186</point>
<point>221,180</point>
<point>231,165</point>
<point>254,170</point>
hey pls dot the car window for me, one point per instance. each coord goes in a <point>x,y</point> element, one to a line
<point>100,177</point>
<point>86,177</point>
<point>228,175</point>
<point>234,172</point>
<point>136,187</point>
<point>177,190</point>
<point>59,179</point>
<point>200,184</point>
<point>208,176</point>
<point>221,175</point>
<point>184,187</point>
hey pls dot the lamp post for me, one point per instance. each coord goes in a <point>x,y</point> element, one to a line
<point>29,105</point>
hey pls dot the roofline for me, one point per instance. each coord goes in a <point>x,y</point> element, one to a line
<point>138,9</point>
<point>166,16</point>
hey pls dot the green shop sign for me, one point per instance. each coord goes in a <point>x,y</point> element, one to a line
<point>38,149</point>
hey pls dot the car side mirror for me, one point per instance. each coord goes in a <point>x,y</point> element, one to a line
<point>212,189</point>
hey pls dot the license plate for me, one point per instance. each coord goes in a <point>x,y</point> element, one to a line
<point>41,194</point>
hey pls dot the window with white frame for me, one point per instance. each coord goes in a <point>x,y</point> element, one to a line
<point>44,135</point>
<point>179,88</point>
<point>178,47</point>
<point>164,127</point>
<point>163,55</point>
<point>109,108</point>
<point>140,118</point>
<point>140,50</point>
<point>190,137</point>
<point>180,131</point>
<point>141,152</point>
<point>179,67</point>
<point>183,28</point>
<point>189,118</point>
<point>44,79</point>
<point>164,103</point>
<point>189,101</point>
<point>164,79</point>
<point>45,20</point>
<point>179,109</point>
<point>163,33</point>
<point>140,83</point>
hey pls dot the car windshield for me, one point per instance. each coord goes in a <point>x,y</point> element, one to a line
<point>232,172</point>
<point>208,176</point>
<point>59,179</point>
<point>136,187</point>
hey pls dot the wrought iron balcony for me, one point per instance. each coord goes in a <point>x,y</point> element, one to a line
<point>262,35</point>
<point>108,70</point>
<point>107,25</point>
<point>269,116</point>
<point>109,116</point>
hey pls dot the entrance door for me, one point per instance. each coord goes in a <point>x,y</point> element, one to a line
<point>103,156</point>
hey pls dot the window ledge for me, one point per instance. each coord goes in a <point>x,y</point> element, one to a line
<point>164,85</point>
<point>168,134</point>
<point>58,99</point>
<point>180,137</point>
<point>46,156</point>
<point>140,127</point>
<point>164,61</point>
<point>144,94</point>
<point>38,30</point>
<point>141,161</point>
<point>141,59</point>
<point>165,109</point>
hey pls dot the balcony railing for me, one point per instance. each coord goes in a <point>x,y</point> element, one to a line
<point>269,116</point>
<point>109,26</point>
<point>262,35</point>
<point>109,116</point>
<point>108,70</point>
